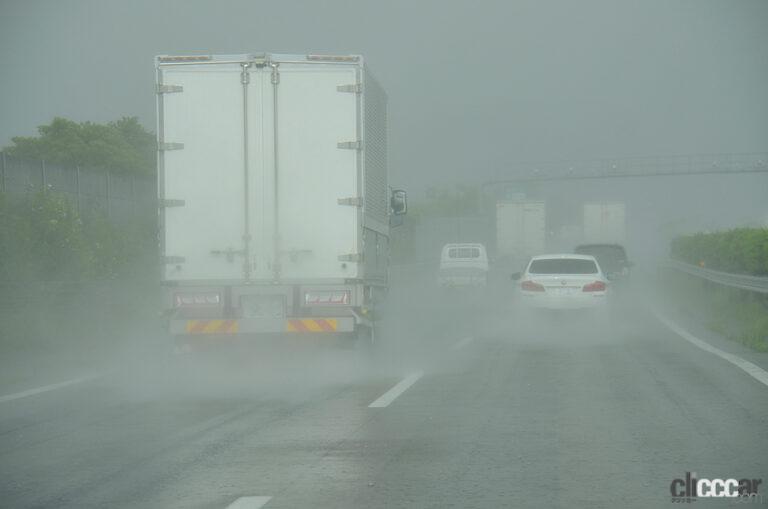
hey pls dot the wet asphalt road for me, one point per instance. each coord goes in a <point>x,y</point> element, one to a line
<point>509,412</point>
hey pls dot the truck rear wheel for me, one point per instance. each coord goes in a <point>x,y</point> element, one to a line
<point>366,334</point>
<point>365,337</point>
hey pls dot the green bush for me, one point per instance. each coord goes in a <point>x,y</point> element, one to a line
<point>741,250</point>
<point>42,238</point>
<point>122,146</point>
<point>739,315</point>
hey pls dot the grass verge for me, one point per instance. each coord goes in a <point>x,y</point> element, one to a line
<point>738,315</point>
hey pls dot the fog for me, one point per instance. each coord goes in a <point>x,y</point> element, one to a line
<point>176,383</point>
<point>500,82</point>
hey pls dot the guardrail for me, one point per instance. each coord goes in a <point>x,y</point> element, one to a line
<point>751,283</point>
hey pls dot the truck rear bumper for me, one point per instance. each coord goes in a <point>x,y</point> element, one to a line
<point>261,325</point>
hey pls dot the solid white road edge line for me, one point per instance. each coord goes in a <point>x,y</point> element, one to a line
<point>752,370</point>
<point>47,388</point>
<point>392,394</point>
<point>249,503</point>
<point>461,344</point>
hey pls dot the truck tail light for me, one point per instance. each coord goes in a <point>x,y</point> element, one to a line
<point>197,299</point>
<point>184,58</point>
<point>326,297</point>
<point>333,58</point>
<point>531,286</point>
<point>597,286</point>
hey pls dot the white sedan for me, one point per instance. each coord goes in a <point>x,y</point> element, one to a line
<point>563,281</point>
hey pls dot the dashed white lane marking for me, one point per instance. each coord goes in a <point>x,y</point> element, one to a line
<point>249,503</point>
<point>47,388</point>
<point>392,394</point>
<point>752,370</point>
<point>461,344</point>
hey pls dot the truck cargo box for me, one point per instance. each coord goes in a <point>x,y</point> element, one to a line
<point>271,168</point>
<point>275,205</point>
<point>520,229</point>
<point>604,222</point>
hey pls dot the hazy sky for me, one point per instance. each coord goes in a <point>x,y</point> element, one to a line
<point>473,86</point>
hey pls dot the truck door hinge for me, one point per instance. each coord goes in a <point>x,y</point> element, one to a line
<point>354,257</point>
<point>165,203</point>
<point>168,89</point>
<point>355,201</point>
<point>355,88</point>
<point>170,146</point>
<point>352,145</point>
<point>170,260</point>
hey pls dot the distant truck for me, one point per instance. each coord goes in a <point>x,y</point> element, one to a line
<point>604,222</point>
<point>463,265</point>
<point>520,230</point>
<point>273,187</point>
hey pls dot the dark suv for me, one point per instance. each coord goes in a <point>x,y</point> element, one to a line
<point>611,257</point>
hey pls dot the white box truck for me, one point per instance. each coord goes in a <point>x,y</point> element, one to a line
<point>520,230</point>
<point>604,222</point>
<point>275,207</point>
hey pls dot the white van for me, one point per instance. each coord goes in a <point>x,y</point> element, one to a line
<point>463,265</point>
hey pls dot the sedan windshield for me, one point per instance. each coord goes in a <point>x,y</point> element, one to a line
<point>562,266</point>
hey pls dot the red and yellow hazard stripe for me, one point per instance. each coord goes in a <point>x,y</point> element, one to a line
<point>212,326</point>
<point>311,325</point>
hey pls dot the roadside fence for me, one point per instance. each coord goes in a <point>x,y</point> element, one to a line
<point>119,197</point>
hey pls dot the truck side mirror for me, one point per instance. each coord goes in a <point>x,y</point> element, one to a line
<point>399,202</point>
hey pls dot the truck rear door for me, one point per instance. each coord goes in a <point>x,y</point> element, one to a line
<point>200,129</point>
<point>604,222</point>
<point>318,162</point>
<point>534,228</point>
